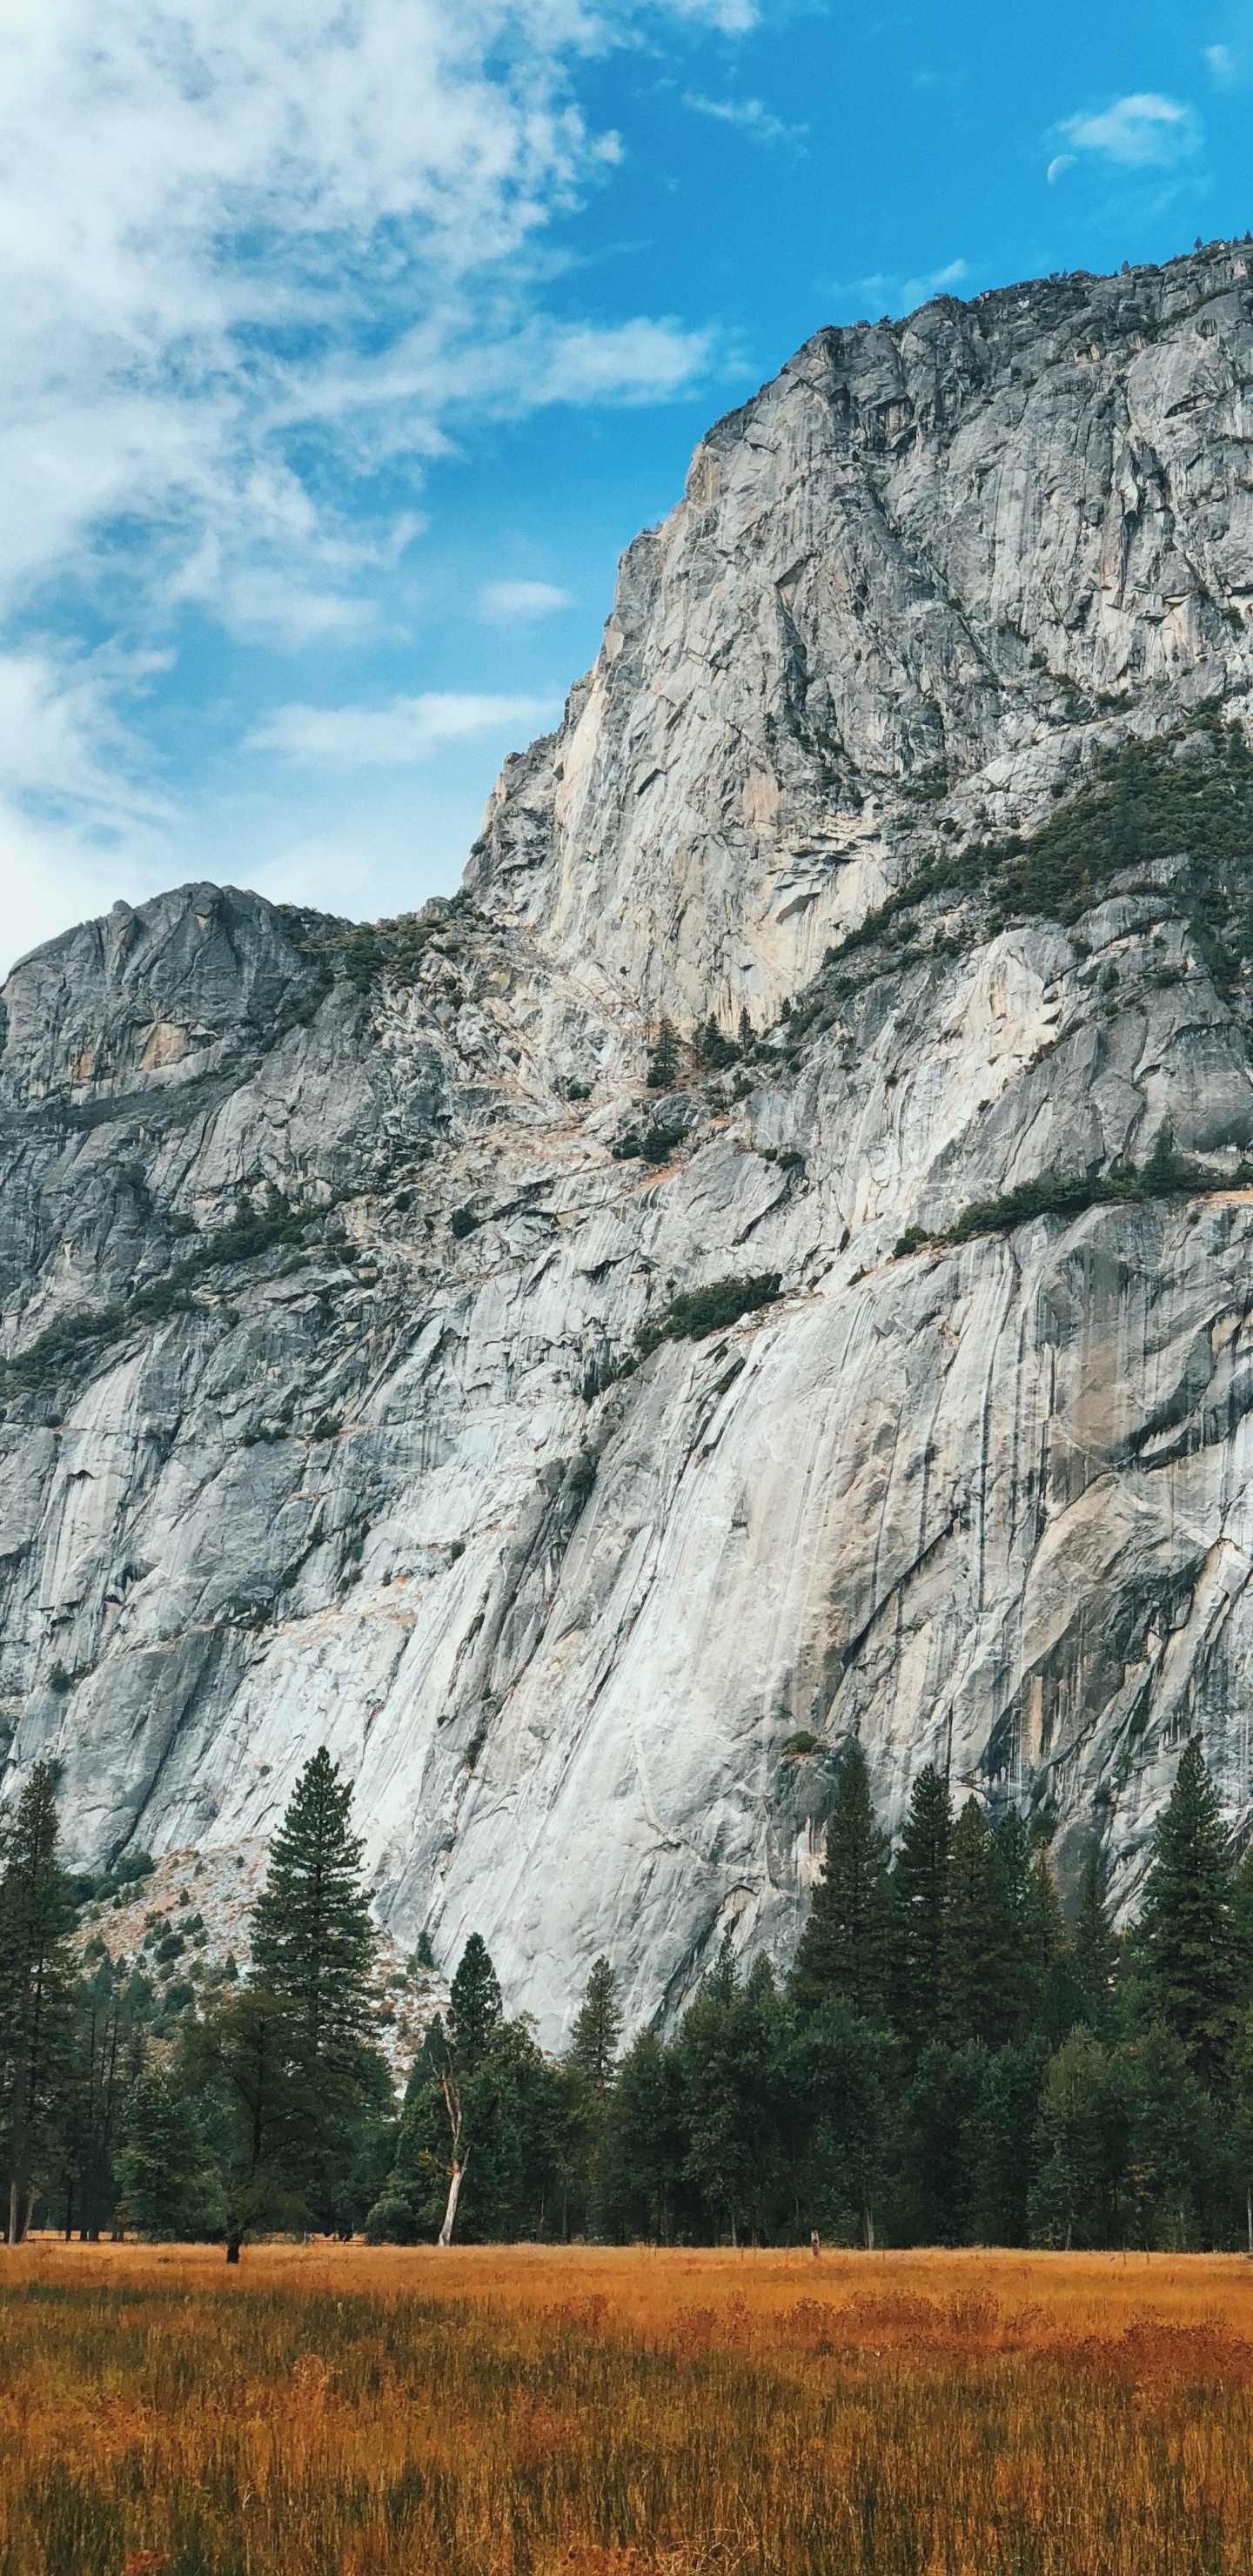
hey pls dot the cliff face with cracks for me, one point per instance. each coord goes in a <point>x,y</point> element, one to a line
<point>322,1279</point>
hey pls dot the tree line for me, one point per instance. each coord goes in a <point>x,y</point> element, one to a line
<point>948,2059</point>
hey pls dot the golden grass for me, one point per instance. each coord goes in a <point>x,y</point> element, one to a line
<point>332,2411</point>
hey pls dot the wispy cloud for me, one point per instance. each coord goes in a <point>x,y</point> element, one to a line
<point>392,737</point>
<point>1143,131</point>
<point>892,294</point>
<point>751,117</point>
<point>519,603</point>
<point>258,266</point>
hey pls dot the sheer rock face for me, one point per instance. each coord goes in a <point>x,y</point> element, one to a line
<point>916,562</point>
<point>590,1642</point>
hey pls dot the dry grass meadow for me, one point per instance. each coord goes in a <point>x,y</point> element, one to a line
<point>330,2411</point>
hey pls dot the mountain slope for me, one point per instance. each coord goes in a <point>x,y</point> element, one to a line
<point>918,736</point>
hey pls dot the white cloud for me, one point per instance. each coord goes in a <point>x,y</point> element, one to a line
<point>1140,132</point>
<point>940,281</point>
<point>63,742</point>
<point>517,603</point>
<point>393,736</point>
<point>751,117</point>
<point>256,265</point>
<point>731,17</point>
<point>228,233</point>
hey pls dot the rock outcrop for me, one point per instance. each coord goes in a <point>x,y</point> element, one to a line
<point>918,738</point>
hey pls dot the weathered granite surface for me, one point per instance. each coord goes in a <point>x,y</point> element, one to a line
<point>368,1477</point>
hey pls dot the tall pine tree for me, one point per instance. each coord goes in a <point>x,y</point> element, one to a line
<point>919,1885</point>
<point>844,1954</point>
<point>474,2006</point>
<point>594,2040</point>
<point>312,1939</point>
<point>36,1989</point>
<point>1053,2003</point>
<point>1095,1945</point>
<point>1186,1935</point>
<point>981,1957</point>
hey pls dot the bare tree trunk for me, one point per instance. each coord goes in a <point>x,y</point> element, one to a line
<point>454,2194</point>
<point>13,2238</point>
<point>457,2162</point>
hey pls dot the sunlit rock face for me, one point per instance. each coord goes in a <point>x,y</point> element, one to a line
<point>322,1279</point>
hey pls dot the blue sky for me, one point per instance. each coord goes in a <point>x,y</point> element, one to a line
<point>349,342</point>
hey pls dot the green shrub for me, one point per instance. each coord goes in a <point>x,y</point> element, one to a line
<point>701,1311</point>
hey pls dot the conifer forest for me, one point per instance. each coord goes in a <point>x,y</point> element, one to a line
<point>949,2059</point>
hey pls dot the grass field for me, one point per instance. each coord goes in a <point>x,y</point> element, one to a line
<point>337,2412</point>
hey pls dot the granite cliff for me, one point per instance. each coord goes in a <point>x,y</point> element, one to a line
<point>349,1391</point>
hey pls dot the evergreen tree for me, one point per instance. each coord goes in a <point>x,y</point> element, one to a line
<point>939,2125</point>
<point>1173,2156</point>
<point>730,2055</point>
<point>106,2059</point>
<point>663,1062</point>
<point>1242,1929</point>
<point>845,1949</point>
<point>1185,1933</point>
<point>594,2041</point>
<point>1053,2000</point>
<point>1242,2118</point>
<point>643,2156</point>
<point>263,2105</point>
<point>919,1882</point>
<point>981,1954</point>
<point>1095,1945</point>
<point>312,1939</point>
<point>1013,1847</point>
<point>589,2073</point>
<point>36,1986</point>
<point>835,2098</point>
<point>1082,2147</point>
<point>999,2144</point>
<point>171,2191</point>
<point>474,2006</point>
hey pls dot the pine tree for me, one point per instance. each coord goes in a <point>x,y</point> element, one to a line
<point>644,2150</point>
<point>981,1956</point>
<point>1082,2145</point>
<point>844,1951</point>
<point>1242,1928</point>
<point>170,2189</point>
<point>1053,2001</point>
<point>249,2059</point>
<point>730,2055</point>
<point>312,1939</point>
<point>1013,1847</point>
<point>36,1987</point>
<point>1173,2144</point>
<point>663,1062</point>
<point>1241,2067</point>
<point>919,1882</point>
<point>1185,1934</point>
<point>1095,1945</point>
<point>594,2041</point>
<point>474,2006</point>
